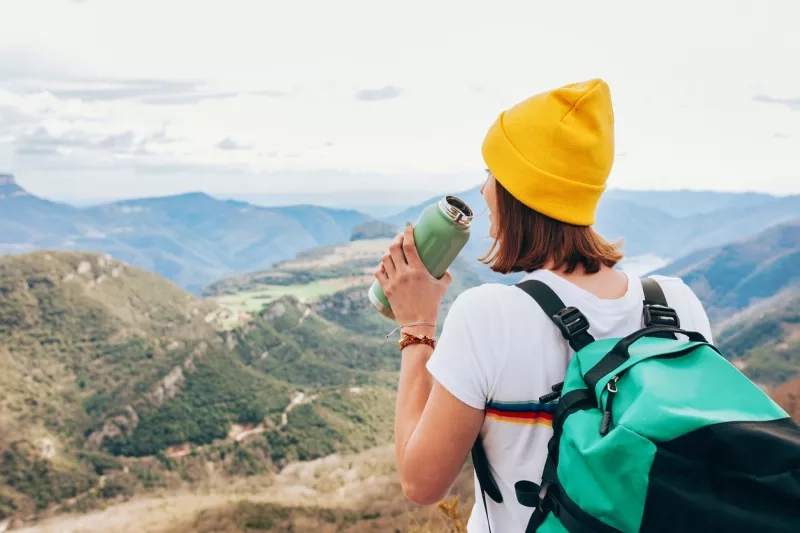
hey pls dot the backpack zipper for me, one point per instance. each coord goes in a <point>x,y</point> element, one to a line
<point>611,387</point>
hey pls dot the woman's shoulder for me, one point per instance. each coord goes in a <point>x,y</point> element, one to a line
<point>487,294</point>
<point>489,302</point>
<point>674,286</point>
<point>681,297</point>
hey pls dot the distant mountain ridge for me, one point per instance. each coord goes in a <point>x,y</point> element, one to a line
<point>684,203</point>
<point>646,229</point>
<point>192,239</point>
<point>736,275</point>
<point>750,289</point>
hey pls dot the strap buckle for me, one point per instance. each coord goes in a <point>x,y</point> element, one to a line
<point>660,315</point>
<point>571,322</point>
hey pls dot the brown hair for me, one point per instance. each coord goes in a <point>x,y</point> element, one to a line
<point>528,240</point>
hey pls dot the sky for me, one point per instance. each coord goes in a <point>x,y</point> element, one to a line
<point>120,98</point>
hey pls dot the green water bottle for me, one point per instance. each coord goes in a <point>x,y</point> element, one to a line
<point>440,233</point>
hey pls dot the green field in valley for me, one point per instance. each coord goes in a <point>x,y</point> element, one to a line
<point>254,301</point>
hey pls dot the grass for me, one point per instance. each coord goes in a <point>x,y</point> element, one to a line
<point>342,492</point>
<point>254,301</point>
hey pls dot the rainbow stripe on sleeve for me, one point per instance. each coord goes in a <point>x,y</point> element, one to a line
<point>527,413</point>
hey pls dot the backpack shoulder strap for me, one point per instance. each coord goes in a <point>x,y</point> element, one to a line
<point>574,328</point>
<point>485,480</point>
<point>573,324</point>
<point>656,311</point>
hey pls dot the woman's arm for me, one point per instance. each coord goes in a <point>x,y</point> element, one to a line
<point>434,431</point>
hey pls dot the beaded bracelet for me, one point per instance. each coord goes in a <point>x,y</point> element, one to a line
<point>409,339</point>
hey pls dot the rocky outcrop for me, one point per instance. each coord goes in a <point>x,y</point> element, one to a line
<point>168,387</point>
<point>274,311</point>
<point>344,303</point>
<point>115,426</point>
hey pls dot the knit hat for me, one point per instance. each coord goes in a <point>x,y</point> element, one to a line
<point>554,151</point>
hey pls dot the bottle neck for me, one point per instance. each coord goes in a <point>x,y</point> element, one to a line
<point>456,212</point>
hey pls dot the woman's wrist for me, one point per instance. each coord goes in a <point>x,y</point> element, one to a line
<point>424,331</point>
<point>418,327</point>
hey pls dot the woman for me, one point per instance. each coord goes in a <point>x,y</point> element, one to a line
<point>548,159</point>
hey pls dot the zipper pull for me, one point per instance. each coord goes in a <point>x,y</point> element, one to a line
<point>550,396</point>
<point>612,390</point>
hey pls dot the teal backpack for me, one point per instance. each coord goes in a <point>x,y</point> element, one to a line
<point>656,433</point>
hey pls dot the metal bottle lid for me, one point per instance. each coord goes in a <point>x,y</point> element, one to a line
<point>456,210</point>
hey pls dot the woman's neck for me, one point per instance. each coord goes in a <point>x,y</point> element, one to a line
<point>606,284</point>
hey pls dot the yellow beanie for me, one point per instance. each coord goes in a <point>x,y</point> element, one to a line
<point>553,151</point>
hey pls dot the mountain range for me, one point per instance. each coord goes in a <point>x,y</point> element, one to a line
<point>734,276</point>
<point>665,224</point>
<point>194,239</point>
<point>191,239</point>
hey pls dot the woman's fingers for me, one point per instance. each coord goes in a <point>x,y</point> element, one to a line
<point>410,248</point>
<point>388,265</point>
<point>396,253</point>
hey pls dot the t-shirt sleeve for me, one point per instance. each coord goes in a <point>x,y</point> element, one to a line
<point>699,316</point>
<point>455,362</point>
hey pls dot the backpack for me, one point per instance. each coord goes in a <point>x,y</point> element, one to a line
<point>656,433</point>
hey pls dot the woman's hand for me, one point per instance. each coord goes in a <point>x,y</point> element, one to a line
<point>415,295</point>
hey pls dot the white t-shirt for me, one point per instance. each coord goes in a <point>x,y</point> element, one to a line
<point>499,351</point>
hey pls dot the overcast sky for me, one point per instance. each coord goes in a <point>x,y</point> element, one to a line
<point>118,98</point>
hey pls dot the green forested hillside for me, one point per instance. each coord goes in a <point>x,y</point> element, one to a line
<point>102,360</point>
<point>750,290</point>
<point>764,340</point>
<point>729,278</point>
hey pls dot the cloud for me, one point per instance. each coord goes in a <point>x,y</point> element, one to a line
<point>41,141</point>
<point>153,92</point>
<point>791,103</point>
<point>110,89</point>
<point>183,99</point>
<point>38,150</point>
<point>164,167</point>
<point>230,144</point>
<point>120,141</point>
<point>374,95</point>
<point>160,137</point>
<point>271,94</point>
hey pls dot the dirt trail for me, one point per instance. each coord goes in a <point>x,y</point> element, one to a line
<point>299,398</point>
